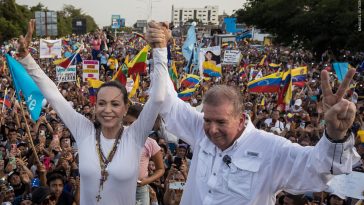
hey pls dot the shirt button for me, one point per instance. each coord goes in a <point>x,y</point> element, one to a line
<point>210,191</point>
<point>220,155</point>
<point>214,174</point>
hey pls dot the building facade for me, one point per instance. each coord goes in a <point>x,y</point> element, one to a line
<point>207,15</point>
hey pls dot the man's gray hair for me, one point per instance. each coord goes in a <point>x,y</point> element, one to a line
<point>220,94</point>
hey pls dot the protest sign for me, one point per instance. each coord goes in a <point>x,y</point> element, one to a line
<point>90,69</point>
<point>231,57</point>
<point>66,75</point>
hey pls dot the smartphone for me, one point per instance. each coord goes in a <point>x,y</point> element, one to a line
<point>177,185</point>
<point>178,161</point>
<point>12,161</point>
<point>302,125</point>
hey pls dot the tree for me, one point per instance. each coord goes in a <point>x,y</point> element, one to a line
<point>14,19</point>
<point>65,20</point>
<point>315,24</point>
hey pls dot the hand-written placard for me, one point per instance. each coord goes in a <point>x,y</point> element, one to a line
<point>231,57</point>
<point>66,75</point>
<point>90,69</point>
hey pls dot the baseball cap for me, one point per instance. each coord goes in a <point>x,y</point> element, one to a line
<point>183,146</point>
<point>341,196</point>
<point>298,102</point>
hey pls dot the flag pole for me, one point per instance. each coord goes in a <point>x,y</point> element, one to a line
<point>6,93</point>
<point>29,135</point>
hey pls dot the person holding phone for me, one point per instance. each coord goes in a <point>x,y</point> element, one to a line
<point>174,185</point>
<point>108,153</point>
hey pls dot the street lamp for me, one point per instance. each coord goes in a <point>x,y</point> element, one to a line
<point>150,7</point>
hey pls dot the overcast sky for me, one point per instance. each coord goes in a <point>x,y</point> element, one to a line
<point>132,10</point>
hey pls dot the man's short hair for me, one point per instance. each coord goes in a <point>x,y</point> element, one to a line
<point>57,174</point>
<point>135,110</point>
<point>220,94</point>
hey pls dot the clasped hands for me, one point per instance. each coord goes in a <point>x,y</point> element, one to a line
<point>158,34</point>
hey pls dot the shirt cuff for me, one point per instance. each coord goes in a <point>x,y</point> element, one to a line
<point>160,55</point>
<point>348,134</point>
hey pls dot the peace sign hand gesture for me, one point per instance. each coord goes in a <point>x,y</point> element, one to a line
<point>24,42</point>
<point>339,112</point>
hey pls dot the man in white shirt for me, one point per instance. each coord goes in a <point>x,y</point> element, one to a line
<point>273,123</point>
<point>235,163</point>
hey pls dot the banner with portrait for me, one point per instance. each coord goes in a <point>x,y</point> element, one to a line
<point>210,61</point>
<point>50,48</point>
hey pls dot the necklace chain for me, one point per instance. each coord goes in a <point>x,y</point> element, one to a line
<point>105,161</point>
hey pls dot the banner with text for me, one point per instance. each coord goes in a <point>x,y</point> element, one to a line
<point>90,69</point>
<point>66,75</point>
<point>231,57</point>
<point>50,48</point>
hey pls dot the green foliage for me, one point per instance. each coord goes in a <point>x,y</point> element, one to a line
<point>314,24</point>
<point>14,19</point>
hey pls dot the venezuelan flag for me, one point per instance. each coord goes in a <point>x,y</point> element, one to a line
<point>242,73</point>
<point>274,66</point>
<point>210,69</point>
<point>6,101</point>
<point>186,94</point>
<point>263,60</point>
<point>66,62</point>
<point>299,76</point>
<point>285,94</point>
<point>268,84</point>
<point>190,80</point>
<point>139,62</point>
<point>94,87</point>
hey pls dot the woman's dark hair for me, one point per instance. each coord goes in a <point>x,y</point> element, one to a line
<point>214,57</point>
<point>115,84</point>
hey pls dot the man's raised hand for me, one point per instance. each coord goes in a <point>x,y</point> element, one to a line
<point>24,42</point>
<point>339,112</point>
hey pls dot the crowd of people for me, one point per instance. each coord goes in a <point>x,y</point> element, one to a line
<point>153,141</point>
